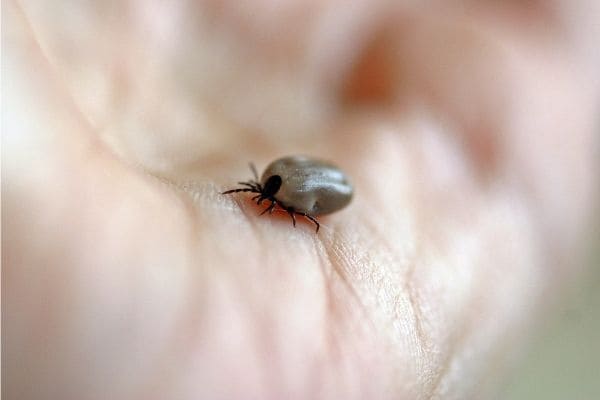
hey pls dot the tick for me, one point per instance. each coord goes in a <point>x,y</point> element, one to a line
<point>300,186</point>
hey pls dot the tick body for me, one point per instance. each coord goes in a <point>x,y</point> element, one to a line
<point>301,186</point>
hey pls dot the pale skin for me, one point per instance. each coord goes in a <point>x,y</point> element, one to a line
<point>468,130</point>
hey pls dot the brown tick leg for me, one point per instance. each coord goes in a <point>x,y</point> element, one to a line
<point>238,190</point>
<point>313,219</point>
<point>269,209</point>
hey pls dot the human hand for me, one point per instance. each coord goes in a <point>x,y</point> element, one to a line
<point>468,131</point>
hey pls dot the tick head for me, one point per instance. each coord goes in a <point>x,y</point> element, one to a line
<point>271,186</point>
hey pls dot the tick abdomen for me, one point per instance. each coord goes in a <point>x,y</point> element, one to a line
<point>300,186</point>
<point>308,185</point>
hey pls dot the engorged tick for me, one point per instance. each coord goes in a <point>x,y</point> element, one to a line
<point>300,185</point>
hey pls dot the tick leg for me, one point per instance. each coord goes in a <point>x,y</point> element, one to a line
<point>313,219</point>
<point>253,169</point>
<point>291,212</point>
<point>238,190</point>
<point>270,208</point>
<point>249,184</point>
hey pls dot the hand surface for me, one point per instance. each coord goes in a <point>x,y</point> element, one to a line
<point>468,130</point>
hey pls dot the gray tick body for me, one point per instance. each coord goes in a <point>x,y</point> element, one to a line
<point>300,185</point>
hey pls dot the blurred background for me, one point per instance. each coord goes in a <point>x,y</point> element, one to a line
<point>562,360</point>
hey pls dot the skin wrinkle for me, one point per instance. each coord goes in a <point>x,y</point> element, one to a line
<point>253,223</point>
<point>331,257</point>
<point>250,310</point>
<point>341,254</point>
<point>178,209</point>
<point>333,317</point>
<point>460,334</point>
<point>467,327</point>
<point>193,327</point>
<point>56,77</point>
<point>262,335</point>
<point>332,252</point>
<point>422,345</point>
<point>190,326</point>
<point>438,369</point>
<point>91,144</point>
<point>436,374</point>
<point>409,287</point>
<point>278,359</point>
<point>491,282</point>
<point>327,271</point>
<point>404,289</point>
<point>342,265</point>
<point>405,292</point>
<point>466,321</point>
<point>455,347</point>
<point>241,300</point>
<point>335,254</point>
<point>91,155</point>
<point>422,341</point>
<point>245,212</point>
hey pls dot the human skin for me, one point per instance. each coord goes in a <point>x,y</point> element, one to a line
<point>468,130</point>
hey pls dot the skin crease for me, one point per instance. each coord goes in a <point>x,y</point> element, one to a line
<point>468,129</point>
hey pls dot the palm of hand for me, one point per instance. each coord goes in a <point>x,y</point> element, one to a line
<point>124,265</point>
